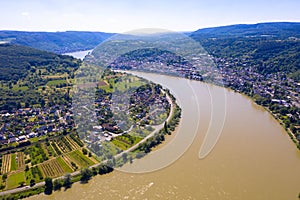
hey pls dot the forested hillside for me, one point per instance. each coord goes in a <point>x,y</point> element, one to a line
<point>17,61</point>
<point>31,77</point>
<point>270,47</point>
<point>57,42</point>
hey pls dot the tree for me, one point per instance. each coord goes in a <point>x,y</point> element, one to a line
<point>21,183</point>
<point>166,128</point>
<point>86,175</point>
<point>84,151</point>
<point>32,182</point>
<point>124,156</point>
<point>4,177</point>
<point>57,184</point>
<point>104,169</point>
<point>48,186</point>
<point>94,171</point>
<point>67,181</point>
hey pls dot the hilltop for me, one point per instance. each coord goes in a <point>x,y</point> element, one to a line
<point>271,29</point>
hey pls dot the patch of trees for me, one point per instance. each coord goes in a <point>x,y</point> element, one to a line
<point>159,137</point>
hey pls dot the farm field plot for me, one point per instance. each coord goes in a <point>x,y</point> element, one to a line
<point>125,141</point>
<point>64,165</point>
<point>20,88</point>
<point>73,144</point>
<point>1,183</point>
<point>50,150</point>
<point>51,168</point>
<point>80,159</point>
<point>57,82</point>
<point>45,149</point>
<point>69,162</point>
<point>76,139</point>
<point>5,163</point>
<point>55,148</point>
<point>15,179</point>
<point>33,173</point>
<point>20,160</point>
<point>37,154</point>
<point>13,162</point>
<point>65,145</point>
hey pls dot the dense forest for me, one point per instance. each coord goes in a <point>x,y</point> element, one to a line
<point>57,42</point>
<point>271,47</point>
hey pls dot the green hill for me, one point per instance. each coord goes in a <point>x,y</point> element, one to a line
<point>272,29</point>
<point>57,42</point>
<point>31,77</point>
<point>271,47</point>
<point>16,61</point>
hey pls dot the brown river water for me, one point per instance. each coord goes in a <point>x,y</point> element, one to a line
<point>254,159</point>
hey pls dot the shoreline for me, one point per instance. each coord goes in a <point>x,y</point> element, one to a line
<point>249,102</point>
<point>40,185</point>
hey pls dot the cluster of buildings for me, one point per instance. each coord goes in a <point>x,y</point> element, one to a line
<point>27,123</point>
<point>277,87</point>
<point>118,113</point>
<point>164,63</point>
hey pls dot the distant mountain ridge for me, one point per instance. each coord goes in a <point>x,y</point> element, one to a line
<point>274,29</point>
<point>57,42</point>
<point>269,47</point>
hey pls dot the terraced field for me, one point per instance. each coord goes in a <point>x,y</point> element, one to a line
<point>52,168</point>
<point>20,160</point>
<point>6,162</point>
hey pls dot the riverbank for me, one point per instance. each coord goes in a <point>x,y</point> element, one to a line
<point>253,159</point>
<point>277,116</point>
<point>158,132</point>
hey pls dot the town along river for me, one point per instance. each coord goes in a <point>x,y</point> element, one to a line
<point>254,159</point>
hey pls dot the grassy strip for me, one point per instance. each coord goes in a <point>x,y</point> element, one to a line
<point>62,163</point>
<point>125,141</point>
<point>24,194</point>
<point>56,82</point>
<point>82,160</point>
<point>13,162</point>
<point>14,180</point>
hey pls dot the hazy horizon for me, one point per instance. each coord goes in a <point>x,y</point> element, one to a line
<point>187,31</point>
<point>122,16</point>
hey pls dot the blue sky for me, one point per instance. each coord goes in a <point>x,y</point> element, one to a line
<point>126,15</point>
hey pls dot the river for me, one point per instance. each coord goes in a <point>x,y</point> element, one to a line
<point>79,54</point>
<point>254,159</point>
